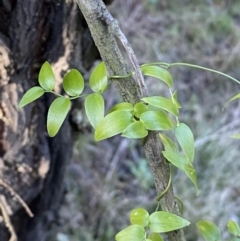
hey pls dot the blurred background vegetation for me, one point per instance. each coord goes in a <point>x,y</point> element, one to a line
<point>106,180</point>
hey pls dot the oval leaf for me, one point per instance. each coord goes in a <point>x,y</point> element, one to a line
<point>113,124</point>
<point>98,80</point>
<point>122,106</point>
<point>162,103</point>
<point>157,120</point>
<point>94,107</point>
<point>182,163</point>
<point>73,83</point>
<point>185,138</point>
<point>139,216</point>
<point>233,228</point>
<point>46,77</point>
<point>161,222</point>
<point>140,108</point>
<point>155,237</point>
<point>135,130</point>
<point>168,144</point>
<point>159,73</point>
<point>57,113</point>
<point>209,230</point>
<point>31,95</point>
<point>131,233</point>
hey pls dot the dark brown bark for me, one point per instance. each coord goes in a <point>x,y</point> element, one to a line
<point>32,31</point>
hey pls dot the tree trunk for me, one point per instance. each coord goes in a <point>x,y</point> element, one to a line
<point>32,31</point>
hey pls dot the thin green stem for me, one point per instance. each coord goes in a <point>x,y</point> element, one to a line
<point>121,77</point>
<point>50,91</point>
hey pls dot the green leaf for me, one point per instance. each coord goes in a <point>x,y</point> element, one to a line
<point>162,103</point>
<point>113,124</point>
<point>31,95</point>
<point>161,222</point>
<point>46,77</point>
<point>235,97</point>
<point>185,138</point>
<point>237,136</point>
<point>159,73</point>
<point>157,120</point>
<point>122,106</point>
<point>98,80</point>
<point>131,233</point>
<point>175,100</point>
<point>140,108</point>
<point>139,216</point>
<point>209,230</point>
<point>182,163</point>
<point>155,237</point>
<point>135,130</point>
<point>233,228</point>
<point>57,113</point>
<point>73,83</point>
<point>94,107</point>
<point>168,144</point>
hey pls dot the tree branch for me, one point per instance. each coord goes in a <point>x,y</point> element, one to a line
<point>104,29</point>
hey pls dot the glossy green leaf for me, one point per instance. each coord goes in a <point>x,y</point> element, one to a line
<point>168,144</point>
<point>113,124</point>
<point>161,222</point>
<point>122,106</point>
<point>139,216</point>
<point>57,113</point>
<point>157,120</point>
<point>175,100</point>
<point>159,73</point>
<point>155,237</point>
<point>235,97</point>
<point>98,80</point>
<point>209,230</point>
<point>182,163</point>
<point>131,233</point>
<point>185,138</point>
<point>237,136</point>
<point>31,95</point>
<point>135,130</point>
<point>162,103</point>
<point>73,83</point>
<point>46,77</point>
<point>140,108</point>
<point>233,228</point>
<point>94,107</point>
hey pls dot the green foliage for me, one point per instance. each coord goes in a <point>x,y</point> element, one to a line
<point>131,233</point>
<point>46,77</point>
<point>155,237</point>
<point>209,230</point>
<point>140,217</point>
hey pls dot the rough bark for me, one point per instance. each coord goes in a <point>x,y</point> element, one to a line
<point>32,31</point>
<point>103,29</point>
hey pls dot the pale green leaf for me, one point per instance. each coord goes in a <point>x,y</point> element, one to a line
<point>159,73</point>
<point>182,163</point>
<point>46,77</point>
<point>233,228</point>
<point>113,124</point>
<point>161,222</point>
<point>122,106</point>
<point>185,138</point>
<point>162,103</point>
<point>209,230</point>
<point>235,97</point>
<point>155,237</point>
<point>57,113</point>
<point>157,120</point>
<point>73,83</point>
<point>236,136</point>
<point>168,144</point>
<point>131,233</point>
<point>139,216</point>
<point>135,130</point>
<point>175,100</point>
<point>94,107</point>
<point>31,95</point>
<point>140,108</point>
<point>98,81</point>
